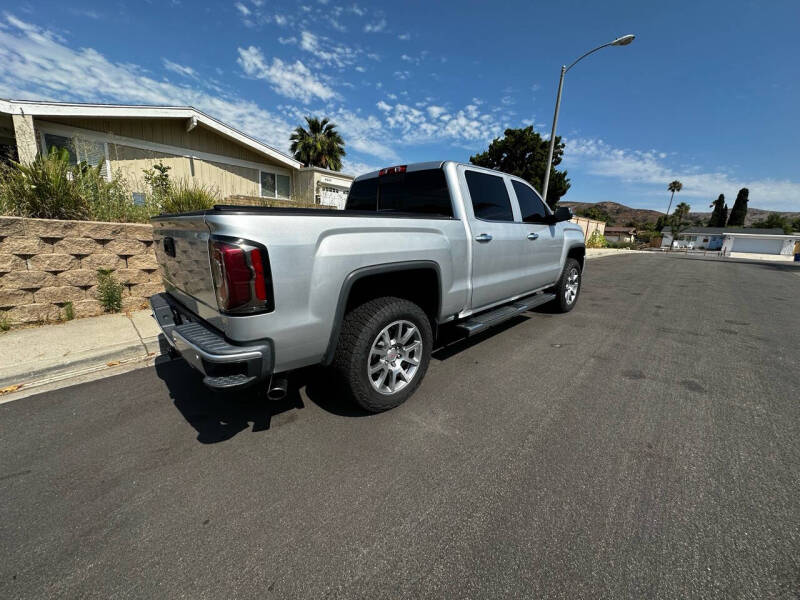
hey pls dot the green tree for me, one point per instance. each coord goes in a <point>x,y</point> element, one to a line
<point>596,213</point>
<point>775,221</point>
<point>318,146</point>
<point>719,216</point>
<point>678,222</point>
<point>675,186</point>
<point>523,152</point>
<point>739,210</point>
<point>796,224</point>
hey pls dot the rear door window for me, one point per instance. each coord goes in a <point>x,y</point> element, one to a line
<point>530,205</point>
<point>489,195</point>
<point>416,192</point>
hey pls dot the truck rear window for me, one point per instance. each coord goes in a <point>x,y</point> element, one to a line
<point>422,192</point>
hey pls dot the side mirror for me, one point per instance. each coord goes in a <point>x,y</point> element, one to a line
<point>562,213</point>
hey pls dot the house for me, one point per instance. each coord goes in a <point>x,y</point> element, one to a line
<point>733,240</point>
<point>129,139</point>
<point>620,234</point>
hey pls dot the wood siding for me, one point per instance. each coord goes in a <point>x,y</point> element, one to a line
<point>171,132</point>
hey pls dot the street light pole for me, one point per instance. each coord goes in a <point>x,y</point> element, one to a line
<point>620,41</point>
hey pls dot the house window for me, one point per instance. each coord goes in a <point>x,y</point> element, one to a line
<point>275,185</point>
<point>80,150</point>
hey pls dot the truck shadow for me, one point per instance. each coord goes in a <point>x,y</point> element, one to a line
<point>217,417</point>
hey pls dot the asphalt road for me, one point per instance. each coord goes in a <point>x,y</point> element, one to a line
<point>647,445</point>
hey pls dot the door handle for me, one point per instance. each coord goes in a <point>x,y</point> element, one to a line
<point>533,236</point>
<point>484,237</point>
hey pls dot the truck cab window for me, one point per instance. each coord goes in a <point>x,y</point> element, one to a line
<point>489,195</point>
<point>530,205</point>
<point>416,192</point>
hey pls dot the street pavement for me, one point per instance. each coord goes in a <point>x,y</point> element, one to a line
<point>646,445</point>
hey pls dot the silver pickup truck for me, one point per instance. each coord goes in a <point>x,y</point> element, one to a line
<point>253,293</point>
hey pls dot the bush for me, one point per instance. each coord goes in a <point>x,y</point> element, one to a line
<point>43,189</point>
<point>596,240</point>
<point>185,197</point>
<point>5,324</point>
<point>109,291</point>
<point>69,311</point>
<point>626,245</point>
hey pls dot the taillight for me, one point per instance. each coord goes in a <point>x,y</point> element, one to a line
<point>391,170</point>
<point>241,277</point>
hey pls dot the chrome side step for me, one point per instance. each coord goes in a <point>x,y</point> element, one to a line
<point>484,321</point>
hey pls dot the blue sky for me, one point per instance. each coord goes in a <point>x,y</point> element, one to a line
<point>708,93</point>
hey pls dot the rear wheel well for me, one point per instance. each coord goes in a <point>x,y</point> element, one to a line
<point>578,253</point>
<point>418,285</point>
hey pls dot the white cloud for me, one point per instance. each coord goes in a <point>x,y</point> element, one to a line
<point>243,10</point>
<point>375,27</point>
<point>179,69</point>
<point>404,36</point>
<point>327,51</point>
<point>293,80</point>
<point>648,169</point>
<point>357,10</point>
<point>35,64</point>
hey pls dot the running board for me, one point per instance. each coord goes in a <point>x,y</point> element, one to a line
<point>484,321</point>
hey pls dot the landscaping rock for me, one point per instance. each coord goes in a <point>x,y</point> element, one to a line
<point>9,298</point>
<point>10,262</point>
<point>78,277</point>
<point>24,245</point>
<point>59,294</point>
<point>52,262</point>
<point>139,231</point>
<point>101,231</point>
<point>27,280</point>
<point>33,313</point>
<point>123,247</point>
<point>87,308</point>
<point>81,246</point>
<point>143,261</point>
<point>12,226</point>
<point>102,261</point>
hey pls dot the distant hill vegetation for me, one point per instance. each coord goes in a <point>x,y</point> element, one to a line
<point>619,215</point>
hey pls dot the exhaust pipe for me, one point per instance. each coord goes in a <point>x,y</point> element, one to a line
<point>278,386</point>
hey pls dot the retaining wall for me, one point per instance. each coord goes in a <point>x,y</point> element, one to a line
<point>46,263</point>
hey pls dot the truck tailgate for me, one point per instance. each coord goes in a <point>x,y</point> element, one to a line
<point>181,245</point>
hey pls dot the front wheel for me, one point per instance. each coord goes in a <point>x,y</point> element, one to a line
<point>383,352</point>
<point>568,287</point>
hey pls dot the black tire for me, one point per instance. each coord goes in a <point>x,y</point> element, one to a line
<point>561,302</point>
<point>360,328</point>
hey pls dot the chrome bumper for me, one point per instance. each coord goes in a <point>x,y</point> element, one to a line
<point>224,365</point>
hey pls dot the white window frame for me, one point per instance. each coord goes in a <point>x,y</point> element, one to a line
<point>275,172</point>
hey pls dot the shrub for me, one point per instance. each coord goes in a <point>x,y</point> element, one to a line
<point>596,240</point>
<point>69,311</point>
<point>185,197</point>
<point>109,291</point>
<point>5,324</point>
<point>44,188</point>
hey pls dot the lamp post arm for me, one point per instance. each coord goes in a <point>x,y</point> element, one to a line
<point>582,56</point>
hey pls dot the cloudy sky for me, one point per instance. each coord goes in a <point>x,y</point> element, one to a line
<point>708,93</point>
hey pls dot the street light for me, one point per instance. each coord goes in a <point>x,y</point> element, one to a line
<point>620,41</point>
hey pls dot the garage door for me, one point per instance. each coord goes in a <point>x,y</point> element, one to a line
<point>757,246</point>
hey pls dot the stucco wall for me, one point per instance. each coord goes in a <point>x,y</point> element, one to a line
<point>46,263</point>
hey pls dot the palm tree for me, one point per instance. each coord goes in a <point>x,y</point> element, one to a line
<point>675,186</point>
<point>318,146</point>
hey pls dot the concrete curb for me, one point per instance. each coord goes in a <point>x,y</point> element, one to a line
<point>41,355</point>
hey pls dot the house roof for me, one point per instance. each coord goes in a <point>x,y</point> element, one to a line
<point>722,230</point>
<point>630,230</point>
<point>66,109</point>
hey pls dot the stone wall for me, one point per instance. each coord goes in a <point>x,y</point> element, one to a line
<point>44,264</point>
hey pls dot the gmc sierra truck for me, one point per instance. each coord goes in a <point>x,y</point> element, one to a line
<point>253,293</point>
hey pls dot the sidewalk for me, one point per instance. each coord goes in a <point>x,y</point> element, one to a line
<point>53,352</point>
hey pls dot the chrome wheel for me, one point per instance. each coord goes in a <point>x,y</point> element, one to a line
<point>394,357</point>
<point>571,288</point>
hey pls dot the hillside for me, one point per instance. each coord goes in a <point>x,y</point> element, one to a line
<point>621,215</point>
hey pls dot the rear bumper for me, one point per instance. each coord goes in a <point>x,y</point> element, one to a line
<point>224,365</point>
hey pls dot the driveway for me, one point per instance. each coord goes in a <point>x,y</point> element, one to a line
<point>646,445</point>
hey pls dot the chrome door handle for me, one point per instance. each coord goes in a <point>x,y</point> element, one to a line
<point>533,236</point>
<point>484,237</point>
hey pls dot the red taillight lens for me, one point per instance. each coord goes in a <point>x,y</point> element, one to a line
<point>240,277</point>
